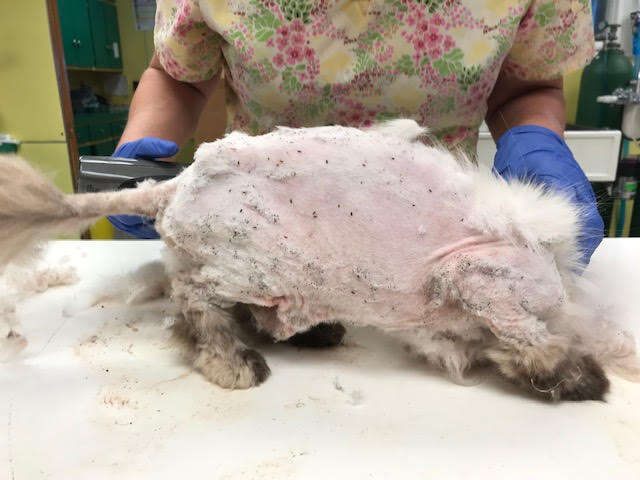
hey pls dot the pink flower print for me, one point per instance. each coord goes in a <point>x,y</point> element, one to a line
<point>437,19</point>
<point>435,53</point>
<point>297,39</point>
<point>568,20</point>
<point>355,118</point>
<point>385,55</point>
<point>476,93</point>
<point>309,53</point>
<point>270,43</point>
<point>278,60</point>
<point>448,43</point>
<point>297,26</point>
<point>281,43</point>
<point>527,23</point>
<point>283,31</point>
<point>423,27</point>
<point>411,20</point>
<point>433,37</point>
<point>294,55</point>
<point>417,10</point>
<point>419,44</point>
<point>186,7</point>
<point>549,49</point>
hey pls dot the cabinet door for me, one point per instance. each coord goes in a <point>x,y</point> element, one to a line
<point>113,35</point>
<point>106,38</point>
<point>69,40</point>
<point>83,34</point>
<point>99,34</point>
<point>76,33</point>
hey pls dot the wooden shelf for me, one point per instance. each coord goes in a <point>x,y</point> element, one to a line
<point>96,142</point>
<point>94,69</point>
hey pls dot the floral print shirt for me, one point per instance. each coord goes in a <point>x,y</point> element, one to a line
<point>357,62</point>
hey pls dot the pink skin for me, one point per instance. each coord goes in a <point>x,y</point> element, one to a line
<point>306,221</point>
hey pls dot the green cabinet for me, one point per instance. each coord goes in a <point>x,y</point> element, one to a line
<point>90,34</point>
<point>98,133</point>
<point>105,34</point>
<point>76,33</point>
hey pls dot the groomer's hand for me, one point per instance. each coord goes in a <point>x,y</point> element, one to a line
<point>537,153</point>
<point>146,148</point>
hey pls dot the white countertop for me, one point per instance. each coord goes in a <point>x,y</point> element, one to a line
<point>103,393</point>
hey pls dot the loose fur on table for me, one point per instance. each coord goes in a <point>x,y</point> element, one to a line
<point>308,227</point>
<point>17,282</point>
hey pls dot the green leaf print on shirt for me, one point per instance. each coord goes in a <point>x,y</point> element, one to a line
<point>405,65</point>
<point>292,9</point>
<point>545,13</point>
<point>323,104</point>
<point>290,83</point>
<point>432,5</point>
<point>364,61</point>
<point>255,108</point>
<point>467,76</point>
<point>450,62</point>
<point>264,25</point>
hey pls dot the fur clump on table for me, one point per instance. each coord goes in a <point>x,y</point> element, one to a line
<point>18,281</point>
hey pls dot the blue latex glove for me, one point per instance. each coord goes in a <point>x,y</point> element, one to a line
<point>539,154</point>
<point>147,148</point>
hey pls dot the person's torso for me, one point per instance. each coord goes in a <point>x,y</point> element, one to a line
<point>306,63</point>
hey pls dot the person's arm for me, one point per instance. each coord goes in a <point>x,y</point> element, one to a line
<point>527,122</point>
<point>165,108</point>
<point>514,102</point>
